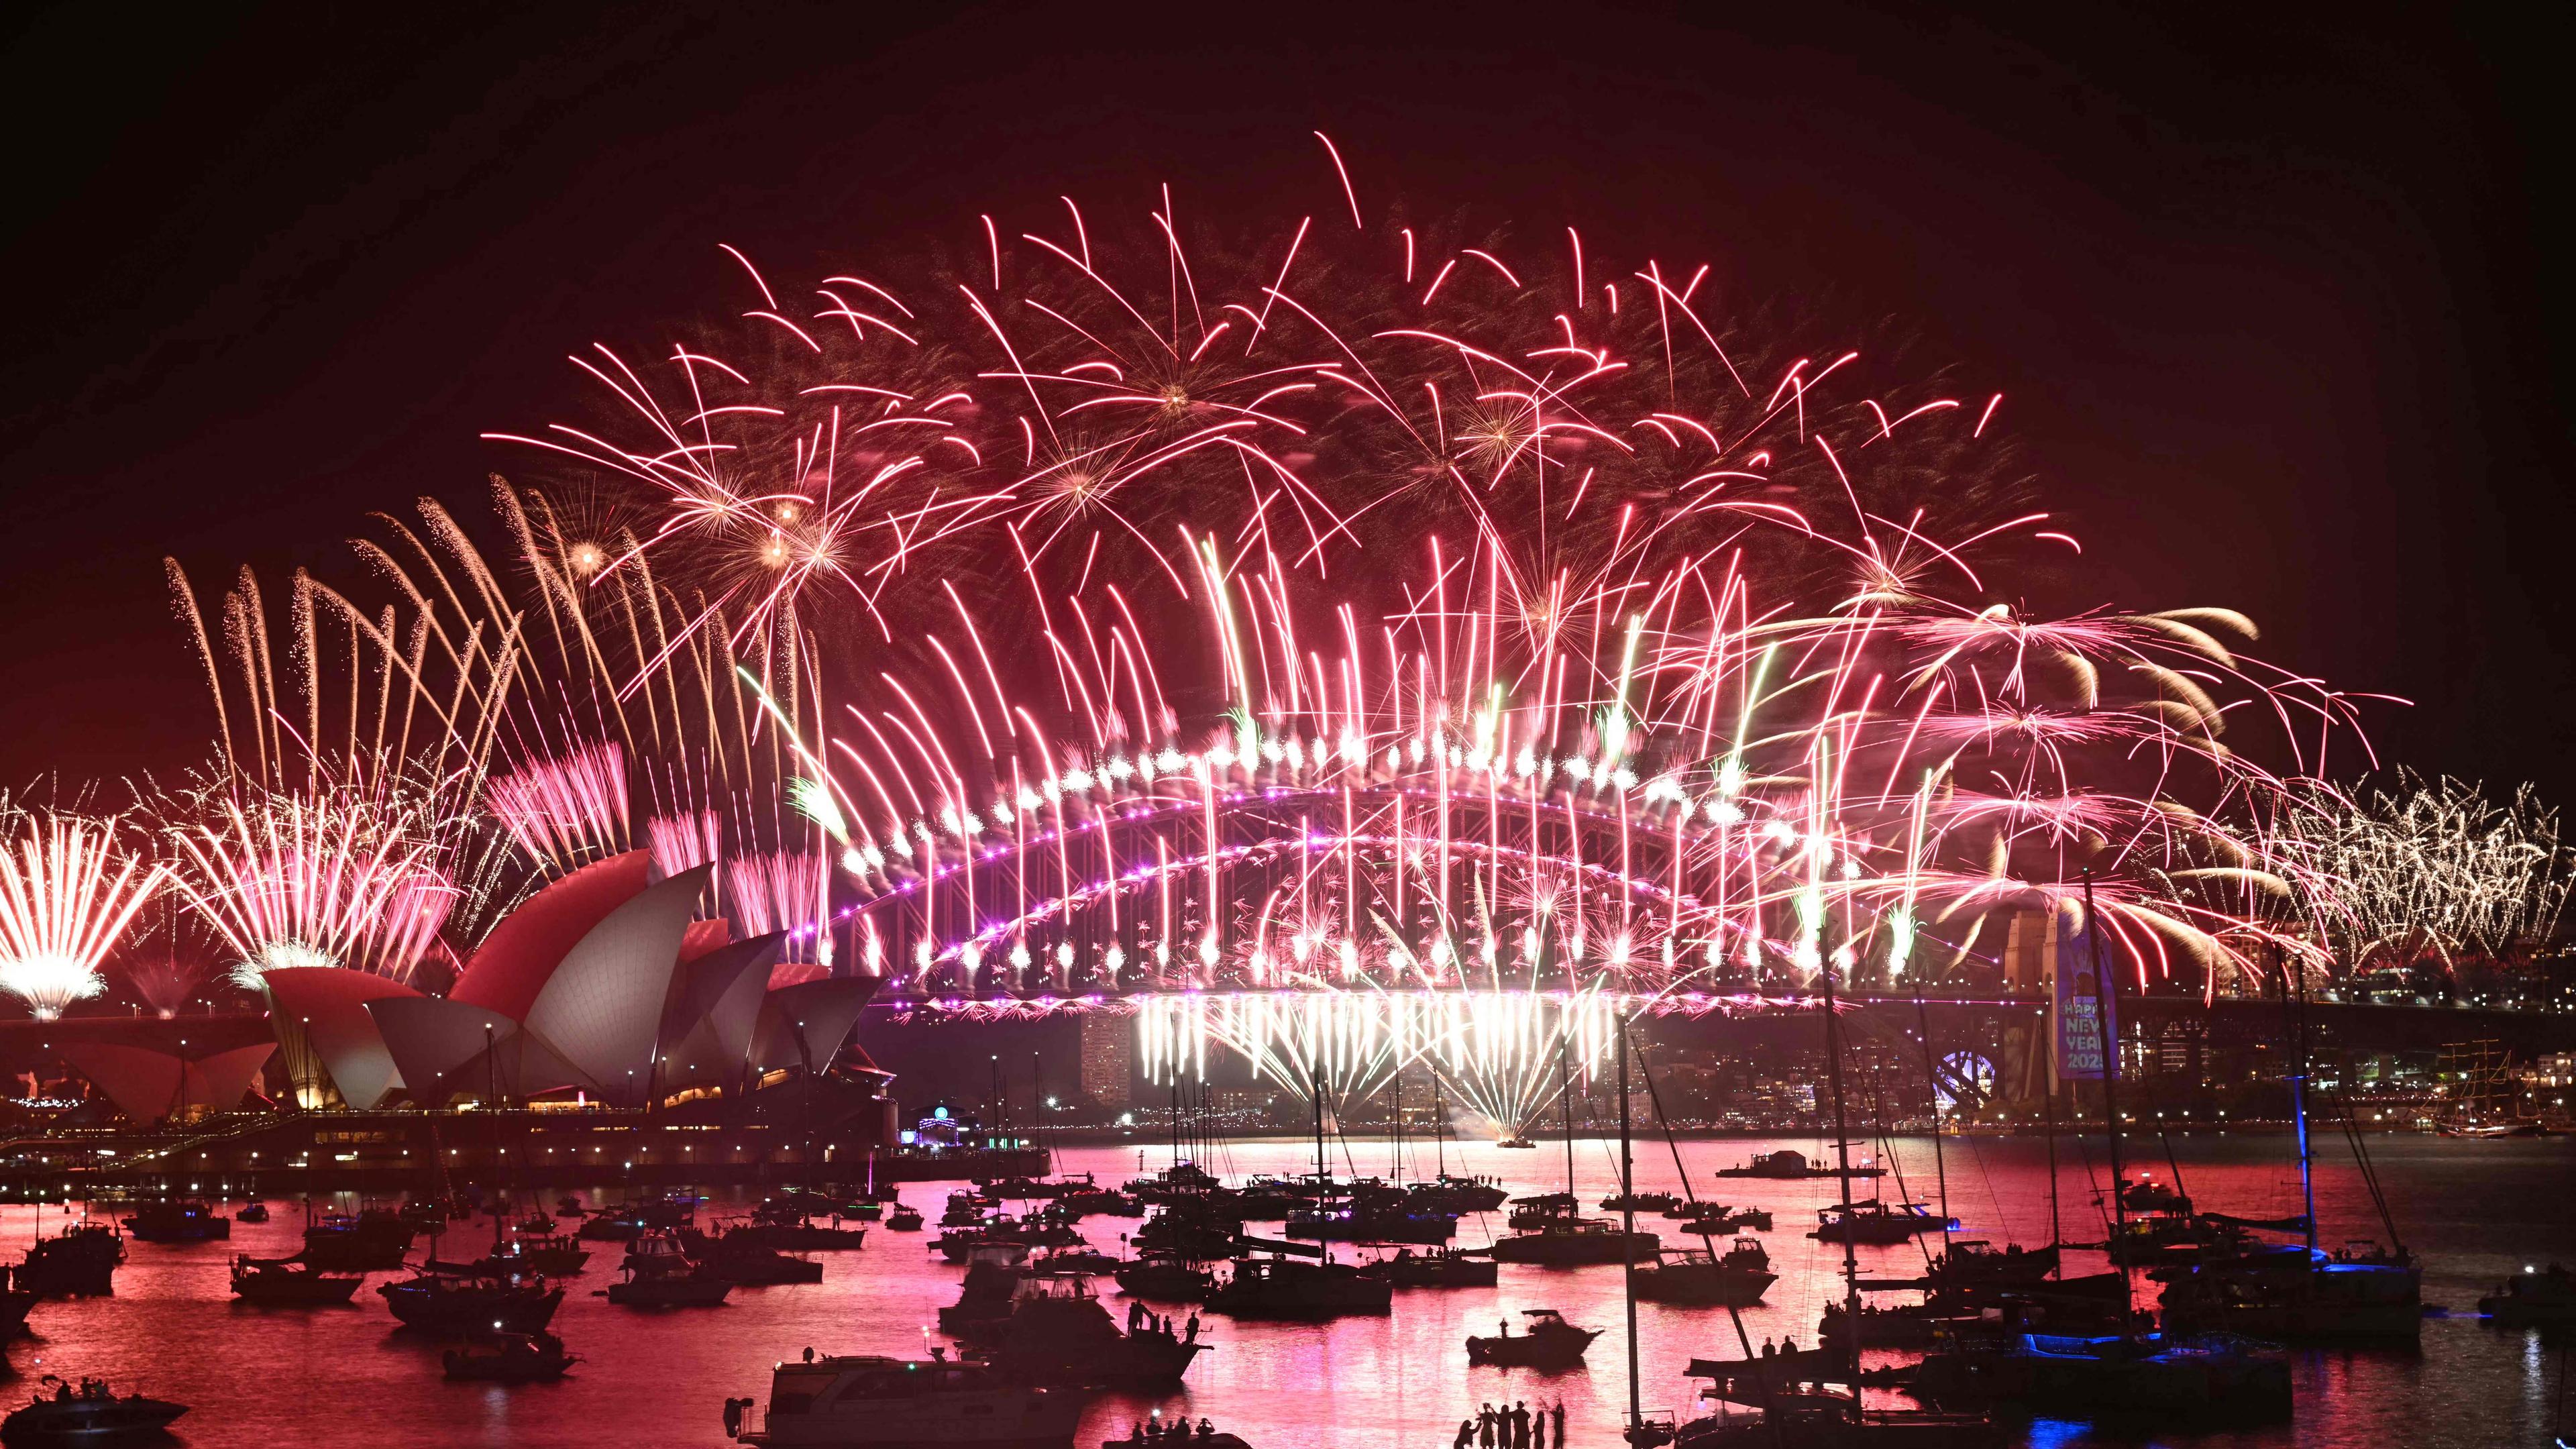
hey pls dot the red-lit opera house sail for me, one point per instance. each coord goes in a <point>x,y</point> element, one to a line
<point>600,983</point>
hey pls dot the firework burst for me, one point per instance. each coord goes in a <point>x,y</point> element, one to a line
<point>66,895</point>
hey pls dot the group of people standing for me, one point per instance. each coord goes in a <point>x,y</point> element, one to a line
<point>1518,1427</point>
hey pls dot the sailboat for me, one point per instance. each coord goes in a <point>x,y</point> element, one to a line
<point>1812,1399</point>
<point>1285,1284</point>
<point>2298,1291</point>
<point>1551,1230</point>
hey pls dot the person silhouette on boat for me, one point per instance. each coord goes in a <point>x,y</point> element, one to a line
<point>1466,1434</point>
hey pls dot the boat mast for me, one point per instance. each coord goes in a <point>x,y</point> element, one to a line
<point>1439,1127</point>
<point>1395,1133</point>
<point>1932,1084</point>
<point>492,1072</point>
<point>2109,995</point>
<point>1037,1111</point>
<point>1628,1229</point>
<point>1842,1155</point>
<point>2299,1090</point>
<point>1323,1184</point>
<point>1565,1098</point>
<point>2048,1129</point>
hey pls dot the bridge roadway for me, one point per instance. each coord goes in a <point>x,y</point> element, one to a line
<point>27,1045</point>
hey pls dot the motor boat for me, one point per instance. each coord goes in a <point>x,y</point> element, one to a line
<point>1516,1141</point>
<point>904,1218</point>
<point>253,1211</point>
<point>470,1303</point>
<point>92,1413</point>
<point>1441,1268</point>
<point>864,1401</point>
<point>2532,1296</point>
<point>659,1273</point>
<point>1643,1202</point>
<point>290,1283</point>
<point>1177,1433</point>
<point>511,1358</point>
<point>1549,1344</point>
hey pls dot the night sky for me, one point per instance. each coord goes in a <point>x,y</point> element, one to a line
<point>2267,294</point>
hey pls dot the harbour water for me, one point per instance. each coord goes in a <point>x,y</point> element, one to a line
<point>2475,1212</point>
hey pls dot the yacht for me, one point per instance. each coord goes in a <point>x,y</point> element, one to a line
<point>1975,1260</point>
<point>1788,1164</point>
<point>2296,1292</point>
<point>1562,1240</point>
<point>79,1262</point>
<point>465,1303</point>
<point>2532,1296</point>
<point>2161,1378</point>
<point>1279,1287</point>
<point>1764,1403</point>
<point>659,1273</point>
<point>745,1260</point>
<point>1736,1278</point>
<point>1876,1222</point>
<point>1451,1193</point>
<point>1057,1332</point>
<point>512,1358</point>
<point>863,1401</point>
<point>1440,1268</point>
<point>285,1282</point>
<point>178,1223</point>
<point>1165,1278</point>
<point>368,1241</point>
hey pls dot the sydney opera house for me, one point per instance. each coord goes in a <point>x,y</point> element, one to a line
<point>600,1000</point>
<point>600,987</point>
